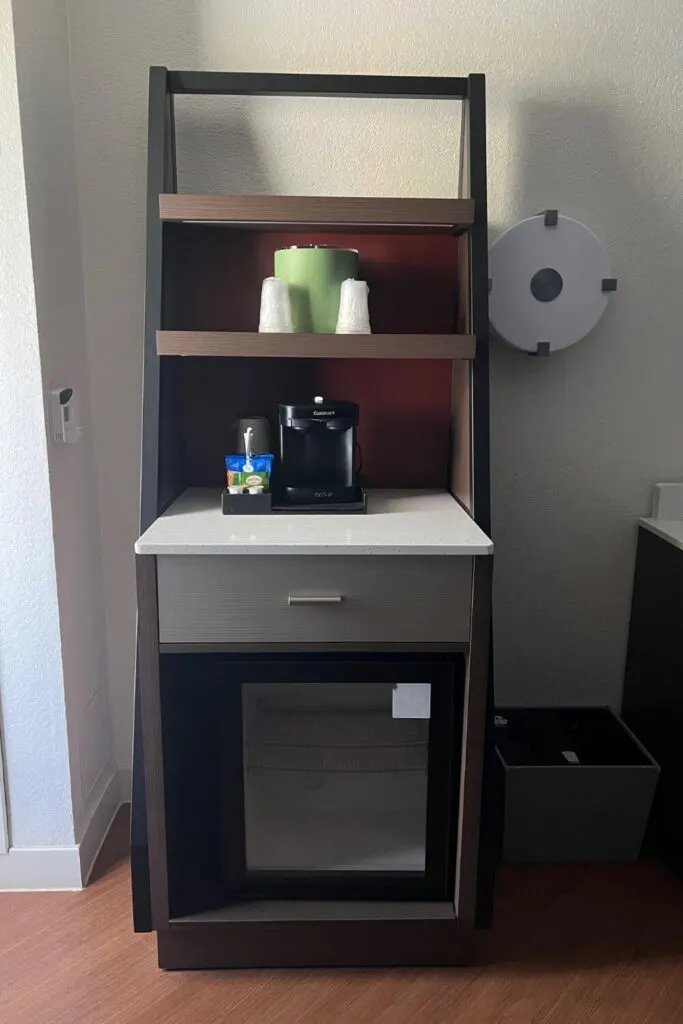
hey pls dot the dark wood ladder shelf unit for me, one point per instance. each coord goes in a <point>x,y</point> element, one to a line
<point>421,381</point>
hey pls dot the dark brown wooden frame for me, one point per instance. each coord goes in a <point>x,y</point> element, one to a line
<point>366,943</point>
<point>437,940</point>
<point>150,707</point>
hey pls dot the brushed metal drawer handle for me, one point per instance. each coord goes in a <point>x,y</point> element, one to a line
<point>314,599</point>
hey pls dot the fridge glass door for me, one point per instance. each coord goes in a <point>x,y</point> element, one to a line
<point>342,775</point>
<point>332,781</point>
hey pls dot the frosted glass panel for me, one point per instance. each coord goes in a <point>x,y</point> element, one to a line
<point>332,781</point>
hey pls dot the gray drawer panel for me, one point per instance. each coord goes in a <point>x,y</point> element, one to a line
<point>296,599</point>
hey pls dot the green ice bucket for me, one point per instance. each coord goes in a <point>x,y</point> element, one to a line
<point>314,275</point>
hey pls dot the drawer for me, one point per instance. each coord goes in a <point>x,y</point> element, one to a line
<point>311,599</point>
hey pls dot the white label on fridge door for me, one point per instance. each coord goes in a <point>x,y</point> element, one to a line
<point>411,700</point>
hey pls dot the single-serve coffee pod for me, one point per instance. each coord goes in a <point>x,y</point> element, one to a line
<point>354,316</point>
<point>276,311</point>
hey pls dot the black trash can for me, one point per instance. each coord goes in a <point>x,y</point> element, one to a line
<point>578,785</point>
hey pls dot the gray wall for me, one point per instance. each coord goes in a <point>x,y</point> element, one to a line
<point>32,716</point>
<point>40,28</point>
<point>584,108</point>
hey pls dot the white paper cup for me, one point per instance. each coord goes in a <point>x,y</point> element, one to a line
<point>276,311</point>
<point>354,315</point>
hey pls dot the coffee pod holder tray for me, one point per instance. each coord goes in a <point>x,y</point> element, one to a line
<point>263,504</point>
<point>246,504</point>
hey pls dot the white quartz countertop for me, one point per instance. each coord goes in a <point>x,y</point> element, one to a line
<point>667,529</point>
<point>396,523</point>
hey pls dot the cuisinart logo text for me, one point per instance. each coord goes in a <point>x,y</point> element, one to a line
<point>324,412</point>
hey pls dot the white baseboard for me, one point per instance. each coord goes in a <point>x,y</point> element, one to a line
<point>43,869</point>
<point>38,869</point>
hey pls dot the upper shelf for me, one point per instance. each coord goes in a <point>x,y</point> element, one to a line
<point>275,212</point>
<point>316,346</point>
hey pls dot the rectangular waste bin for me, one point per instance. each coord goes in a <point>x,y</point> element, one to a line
<point>578,785</point>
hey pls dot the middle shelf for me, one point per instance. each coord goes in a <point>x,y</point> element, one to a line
<point>317,346</point>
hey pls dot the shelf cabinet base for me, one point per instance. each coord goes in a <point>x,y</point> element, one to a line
<point>360,943</point>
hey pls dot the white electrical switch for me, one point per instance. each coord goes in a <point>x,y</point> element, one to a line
<point>65,416</point>
<point>411,700</point>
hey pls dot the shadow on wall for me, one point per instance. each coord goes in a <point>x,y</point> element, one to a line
<point>221,126</point>
<point>578,439</point>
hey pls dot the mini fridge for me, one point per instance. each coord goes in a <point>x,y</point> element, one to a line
<point>312,776</point>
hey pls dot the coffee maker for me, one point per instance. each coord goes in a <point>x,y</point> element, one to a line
<point>318,444</point>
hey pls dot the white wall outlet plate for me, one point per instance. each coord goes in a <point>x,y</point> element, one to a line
<point>667,502</point>
<point>65,418</point>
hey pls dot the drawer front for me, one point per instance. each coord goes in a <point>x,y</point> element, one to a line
<point>310,599</point>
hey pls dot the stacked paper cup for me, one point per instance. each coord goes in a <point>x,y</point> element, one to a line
<point>276,311</point>
<point>354,315</point>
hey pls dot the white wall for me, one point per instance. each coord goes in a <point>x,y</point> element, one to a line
<point>584,106</point>
<point>42,50</point>
<point>31,683</point>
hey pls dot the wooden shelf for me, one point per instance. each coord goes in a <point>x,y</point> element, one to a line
<point>320,910</point>
<point>301,212</point>
<point>316,346</point>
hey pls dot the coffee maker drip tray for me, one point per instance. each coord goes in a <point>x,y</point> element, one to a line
<point>337,501</point>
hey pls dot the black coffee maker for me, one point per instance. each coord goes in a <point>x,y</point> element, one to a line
<point>318,445</point>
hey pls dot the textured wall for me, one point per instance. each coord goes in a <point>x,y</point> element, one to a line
<point>42,54</point>
<point>31,685</point>
<point>584,102</point>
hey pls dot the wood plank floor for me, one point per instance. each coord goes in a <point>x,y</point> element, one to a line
<point>571,945</point>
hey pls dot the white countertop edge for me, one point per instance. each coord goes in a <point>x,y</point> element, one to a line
<point>397,523</point>
<point>670,530</point>
<point>142,548</point>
